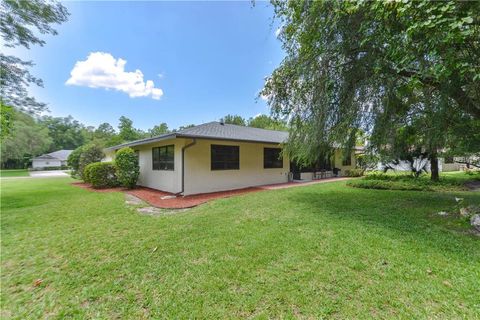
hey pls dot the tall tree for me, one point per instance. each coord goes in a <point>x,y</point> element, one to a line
<point>6,118</point>
<point>126,130</point>
<point>354,66</point>
<point>104,132</point>
<point>21,23</point>
<point>234,119</point>
<point>185,127</point>
<point>66,133</point>
<point>28,138</point>
<point>157,130</point>
<point>265,122</point>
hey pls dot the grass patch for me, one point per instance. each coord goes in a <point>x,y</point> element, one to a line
<point>14,173</point>
<point>319,251</point>
<point>448,182</point>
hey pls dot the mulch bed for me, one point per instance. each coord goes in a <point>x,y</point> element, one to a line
<point>154,197</point>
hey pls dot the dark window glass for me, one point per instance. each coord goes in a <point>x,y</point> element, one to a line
<point>163,158</point>
<point>225,157</point>
<point>347,161</point>
<point>272,158</point>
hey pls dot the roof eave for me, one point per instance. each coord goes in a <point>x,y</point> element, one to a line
<point>141,142</point>
<point>226,139</point>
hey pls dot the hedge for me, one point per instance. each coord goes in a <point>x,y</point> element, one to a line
<point>86,172</point>
<point>354,172</point>
<point>89,154</point>
<point>101,175</point>
<point>126,163</point>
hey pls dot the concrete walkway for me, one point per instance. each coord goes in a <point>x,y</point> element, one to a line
<point>48,174</point>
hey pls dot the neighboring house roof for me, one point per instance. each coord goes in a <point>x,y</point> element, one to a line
<point>217,131</point>
<point>61,155</point>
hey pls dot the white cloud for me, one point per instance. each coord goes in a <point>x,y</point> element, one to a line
<point>102,70</point>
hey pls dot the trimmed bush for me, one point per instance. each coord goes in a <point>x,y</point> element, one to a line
<point>387,185</point>
<point>126,163</point>
<point>447,182</point>
<point>86,172</point>
<point>101,174</point>
<point>73,161</point>
<point>90,153</point>
<point>354,172</point>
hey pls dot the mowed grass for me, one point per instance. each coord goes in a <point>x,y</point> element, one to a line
<point>317,251</point>
<point>14,173</point>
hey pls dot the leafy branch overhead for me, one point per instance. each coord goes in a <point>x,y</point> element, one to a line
<point>21,24</point>
<point>376,67</point>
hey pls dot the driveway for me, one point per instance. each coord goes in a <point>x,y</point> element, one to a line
<point>48,174</point>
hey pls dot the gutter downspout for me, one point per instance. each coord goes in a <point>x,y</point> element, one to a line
<point>191,144</point>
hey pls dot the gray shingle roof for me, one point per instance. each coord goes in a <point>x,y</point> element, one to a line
<point>61,155</point>
<point>217,131</point>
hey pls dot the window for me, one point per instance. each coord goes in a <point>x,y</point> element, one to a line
<point>225,157</point>
<point>347,161</point>
<point>163,158</point>
<point>272,158</point>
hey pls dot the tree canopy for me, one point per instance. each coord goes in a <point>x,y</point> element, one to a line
<point>28,138</point>
<point>21,24</point>
<point>158,130</point>
<point>265,122</point>
<point>376,67</point>
<point>234,119</point>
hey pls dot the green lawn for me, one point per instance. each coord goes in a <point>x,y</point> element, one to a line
<point>323,250</point>
<point>14,173</point>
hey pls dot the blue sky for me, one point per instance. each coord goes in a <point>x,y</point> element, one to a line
<point>206,60</point>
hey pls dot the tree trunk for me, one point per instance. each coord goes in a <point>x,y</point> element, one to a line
<point>434,168</point>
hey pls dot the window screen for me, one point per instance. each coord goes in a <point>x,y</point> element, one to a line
<point>225,157</point>
<point>272,158</point>
<point>347,161</point>
<point>163,158</point>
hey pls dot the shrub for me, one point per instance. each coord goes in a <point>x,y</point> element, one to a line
<point>90,153</point>
<point>73,160</point>
<point>387,185</point>
<point>354,172</point>
<point>86,172</point>
<point>126,163</point>
<point>472,172</point>
<point>101,174</point>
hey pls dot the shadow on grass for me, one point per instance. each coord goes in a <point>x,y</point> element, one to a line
<point>407,215</point>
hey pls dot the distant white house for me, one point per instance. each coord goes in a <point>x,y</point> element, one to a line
<point>53,159</point>
<point>446,164</point>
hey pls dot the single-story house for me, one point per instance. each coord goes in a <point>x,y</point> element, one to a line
<point>53,159</point>
<point>215,156</point>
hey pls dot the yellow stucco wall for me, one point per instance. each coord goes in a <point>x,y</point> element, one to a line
<point>165,180</point>
<point>339,159</point>
<point>199,177</point>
